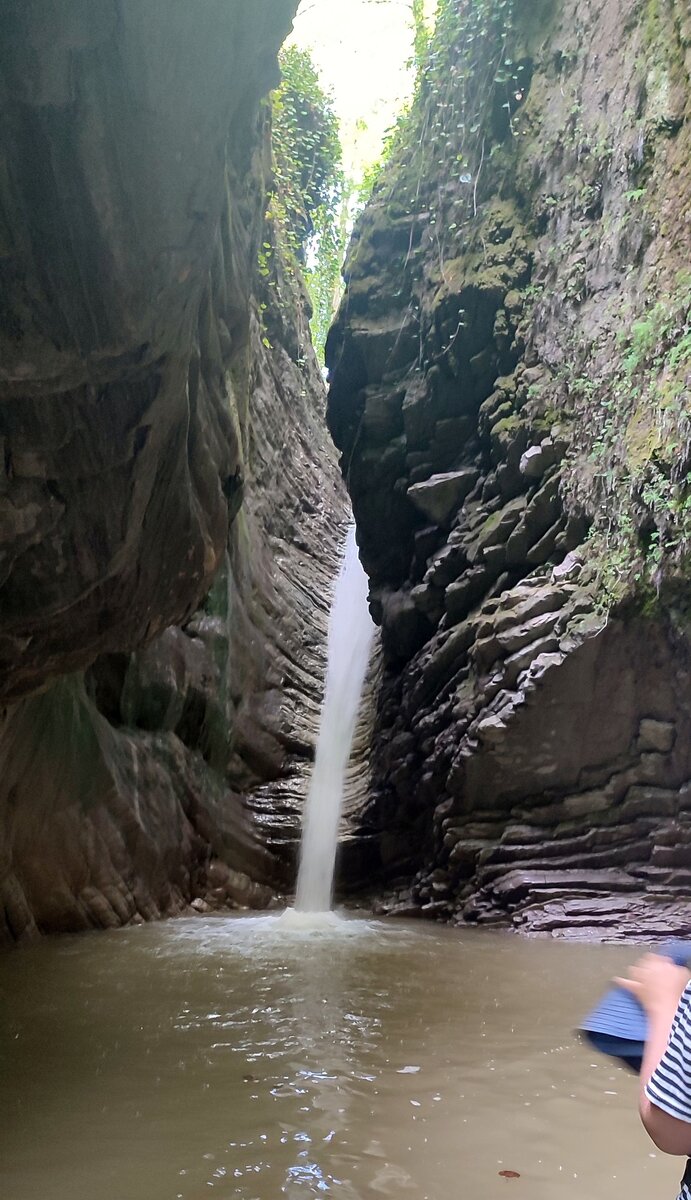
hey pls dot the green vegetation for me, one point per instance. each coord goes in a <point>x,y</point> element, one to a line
<point>305,203</point>
<point>636,452</point>
<point>307,149</point>
<point>468,90</point>
<point>421,34</point>
<point>467,78</point>
<point>312,205</point>
<point>464,79</point>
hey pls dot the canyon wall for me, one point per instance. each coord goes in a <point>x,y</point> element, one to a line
<point>510,392</point>
<point>170,507</point>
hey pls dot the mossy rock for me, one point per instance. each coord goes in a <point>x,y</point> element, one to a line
<point>643,439</point>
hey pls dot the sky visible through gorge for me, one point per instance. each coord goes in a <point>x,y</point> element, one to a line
<point>362,49</point>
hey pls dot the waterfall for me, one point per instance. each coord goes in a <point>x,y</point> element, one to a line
<point>350,638</point>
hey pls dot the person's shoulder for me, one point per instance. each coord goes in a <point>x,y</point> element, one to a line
<point>685,999</point>
<point>681,1026</point>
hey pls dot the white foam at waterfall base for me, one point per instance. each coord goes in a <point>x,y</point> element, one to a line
<point>350,640</point>
<point>309,921</point>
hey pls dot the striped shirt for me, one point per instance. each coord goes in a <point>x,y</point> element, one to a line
<point>669,1086</point>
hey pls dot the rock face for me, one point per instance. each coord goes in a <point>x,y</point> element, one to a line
<point>510,393</point>
<point>164,447</point>
<point>115,122</point>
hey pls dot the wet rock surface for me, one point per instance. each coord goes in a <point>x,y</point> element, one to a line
<point>172,512</point>
<point>533,748</point>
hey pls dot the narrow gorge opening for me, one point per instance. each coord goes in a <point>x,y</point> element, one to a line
<point>267,271</point>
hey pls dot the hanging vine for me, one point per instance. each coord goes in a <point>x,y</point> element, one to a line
<point>467,89</point>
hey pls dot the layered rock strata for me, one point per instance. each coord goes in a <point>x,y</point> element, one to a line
<point>510,394</point>
<point>164,445</point>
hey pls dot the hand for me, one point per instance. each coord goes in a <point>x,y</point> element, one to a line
<point>656,982</point>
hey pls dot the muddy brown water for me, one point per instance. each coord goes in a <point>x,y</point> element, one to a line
<point>241,1057</point>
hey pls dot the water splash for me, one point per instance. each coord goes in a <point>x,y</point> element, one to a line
<point>350,639</point>
<point>310,921</point>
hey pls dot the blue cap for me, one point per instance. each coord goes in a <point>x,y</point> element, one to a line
<point>617,1025</point>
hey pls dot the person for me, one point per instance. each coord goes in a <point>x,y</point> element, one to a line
<point>664,991</point>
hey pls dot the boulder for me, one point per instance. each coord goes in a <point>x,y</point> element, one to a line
<point>656,735</point>
<point>536,460</point>
<point>440,496</point>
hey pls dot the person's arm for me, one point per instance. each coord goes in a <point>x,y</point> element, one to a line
<point>665,1092</point>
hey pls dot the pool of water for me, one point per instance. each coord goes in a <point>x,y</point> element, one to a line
<point>259,1057</point>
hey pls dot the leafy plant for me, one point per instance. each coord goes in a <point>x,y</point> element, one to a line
<point>305,203</point>
<point>306,144</point>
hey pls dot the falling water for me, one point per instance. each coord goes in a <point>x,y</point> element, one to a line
<point>350,638</point>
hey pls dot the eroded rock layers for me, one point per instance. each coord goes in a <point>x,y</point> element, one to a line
<point>164,447</point>
<point>510,394</point>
